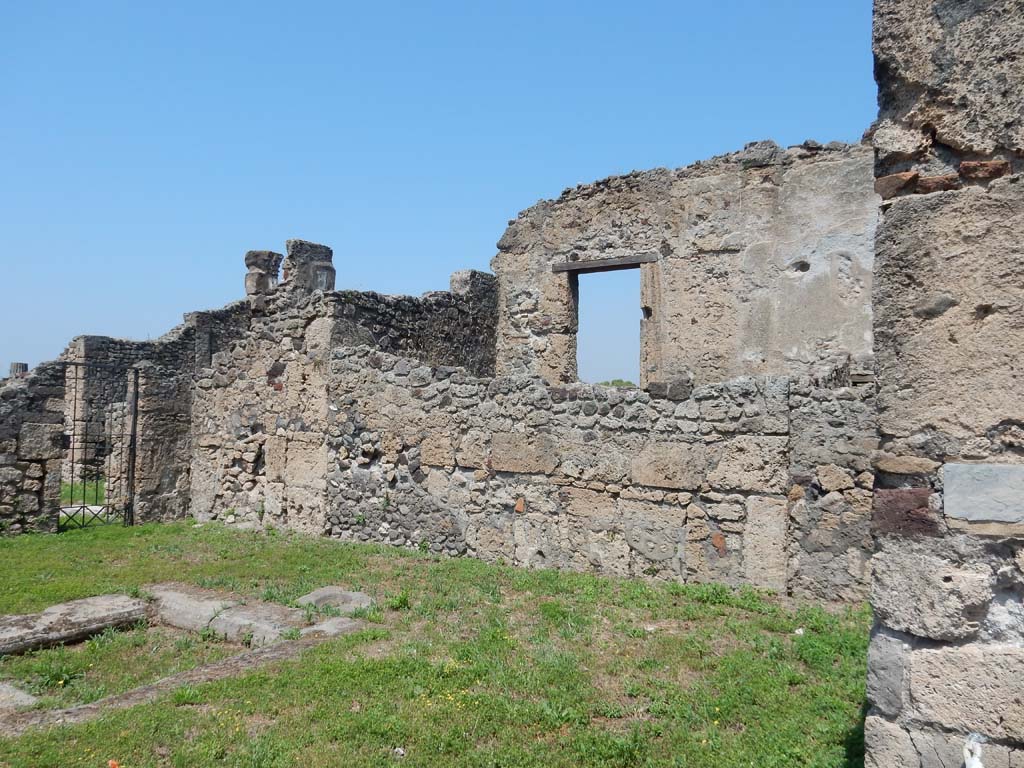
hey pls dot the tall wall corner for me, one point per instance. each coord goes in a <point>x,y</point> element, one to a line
<point>946,660</point>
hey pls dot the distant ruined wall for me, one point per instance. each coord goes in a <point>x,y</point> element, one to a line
<point>758,262</point>
<point>947,651</point>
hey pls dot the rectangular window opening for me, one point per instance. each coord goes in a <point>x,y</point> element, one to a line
<point>608,336</point>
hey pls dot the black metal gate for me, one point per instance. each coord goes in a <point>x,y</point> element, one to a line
<point>98,468</point>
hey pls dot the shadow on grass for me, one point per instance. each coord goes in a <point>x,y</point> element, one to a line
<point>854,741</point>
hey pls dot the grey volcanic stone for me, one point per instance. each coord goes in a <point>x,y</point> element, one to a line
<point>336,597</point>
<point>258,624</point>
<point>68,622</point>
<point>187,607</point>
<point>989,493</point>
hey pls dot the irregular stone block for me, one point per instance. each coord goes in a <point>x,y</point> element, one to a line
<point>655,531</point>
<point>39,442</point>
<point>473,449</point>
<point>749,463</point>
<point>765,559</point>
<point>984,170</point>
<point>437,450</point>
<point>833,478</point>
<point>517,452</point>
<point>889,186</point>
<point>336,597</point>
<point>670,465</point>
<point>988,494</point>
<point>928,184</point>
<point>929,596</point>
<point>977,687</point>
<point>903,465</point>
<point>68,622</point>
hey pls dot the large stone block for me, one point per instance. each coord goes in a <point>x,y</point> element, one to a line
<point>39,442</point>
<point>275,456</point>
<point>68,622</point>
<point>989,497</point>
<point>437,450</point>
<point>929,596</point>
<point>749,463</point>
<point>765,558</point>
<point>955,373</point>
<point>306,464</point>
<point>888,746</point>
<point>519,452</point>
<point>977,687</point>
<point>670,465</point>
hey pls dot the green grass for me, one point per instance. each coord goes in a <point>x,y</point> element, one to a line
<point>108,663</point>
<point>84,492</point>
<point>461,664</point>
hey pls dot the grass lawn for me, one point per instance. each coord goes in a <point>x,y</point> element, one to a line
<point>83,492</point>
<point>108,663</point>
<point>462,664</point>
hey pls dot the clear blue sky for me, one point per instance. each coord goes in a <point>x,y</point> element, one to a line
<point>144,147</point>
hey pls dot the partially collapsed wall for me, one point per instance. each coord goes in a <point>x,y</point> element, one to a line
<point>377,418</point>
<point>757,262</point>
<point>947,653</point>
<point>758,448</point>
<point>453,421</point>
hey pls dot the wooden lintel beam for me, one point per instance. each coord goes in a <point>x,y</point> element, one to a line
<point>604,265</point>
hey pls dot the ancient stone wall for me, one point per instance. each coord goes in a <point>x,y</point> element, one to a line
<point>272,386</point>
<point>308,424</point>
<point>758,262</point>
<point>947,652</point>
<point>31,428</point>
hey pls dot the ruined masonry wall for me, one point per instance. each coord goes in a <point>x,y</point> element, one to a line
<point>756,262</point>
<point>371,446</point>
<point>31,425</point>
<point>947,652</point>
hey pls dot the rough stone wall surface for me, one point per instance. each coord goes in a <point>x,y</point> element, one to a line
<point>31,426</point>
<point>947,652</point>
<point>259,413</point>
<point>163,413</point>
<point>758,262</point>
<point>305,425</point>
